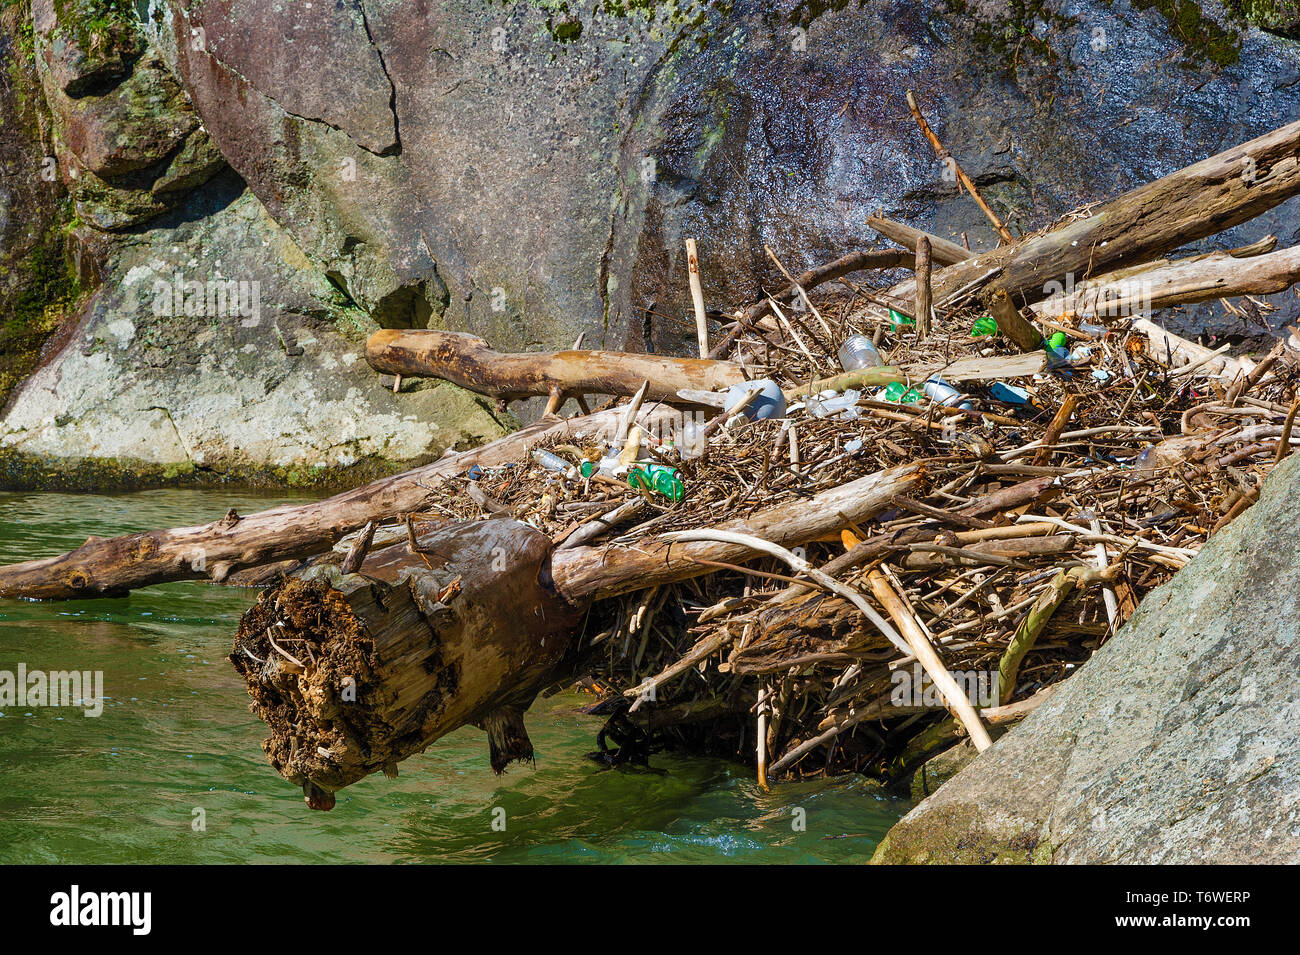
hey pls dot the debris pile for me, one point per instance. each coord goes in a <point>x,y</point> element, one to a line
<point>871,519</point>
<point>1053,502</point>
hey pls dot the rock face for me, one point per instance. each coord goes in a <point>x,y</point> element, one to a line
<point>527,174</point>
<point>527,170</point>
<point>215,351</point>
<point>35,284</point>
<point>249,368</point>
<point>128,141</point>
<point>1175,743</point>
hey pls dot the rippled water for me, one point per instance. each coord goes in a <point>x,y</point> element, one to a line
<point>176,737</point>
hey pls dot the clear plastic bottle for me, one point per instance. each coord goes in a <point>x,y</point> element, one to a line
<point>938,390</point>
<point>857,352</point>
<point>553,462</point>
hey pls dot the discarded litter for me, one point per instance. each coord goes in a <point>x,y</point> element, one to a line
<point>658,478</point>
<point>836,405</point>
<point>899,393</point>
<point>899,319</point>
<point>858,352</point>
<point>553,462</point>
<point>936,389</point>
<point>770,402</point>
<point>1011,394</point>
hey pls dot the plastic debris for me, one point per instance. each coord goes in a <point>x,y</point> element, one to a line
<point>770,402</point>
<point>659,478</point>
<point>858,352</point>
<point>1012,395</point>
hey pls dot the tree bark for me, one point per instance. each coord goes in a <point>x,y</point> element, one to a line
<point>597,572</point>
<point>1158,285</point>
<point>1012,324</point>
<point>355,672</point>
<point>941,250</point>
<point>924,310</point>
<point>470,362</point>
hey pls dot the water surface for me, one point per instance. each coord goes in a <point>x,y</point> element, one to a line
<point>177,746</point>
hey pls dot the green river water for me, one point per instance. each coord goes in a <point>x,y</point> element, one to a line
<point>176,738</point>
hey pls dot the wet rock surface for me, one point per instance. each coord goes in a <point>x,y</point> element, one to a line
<point>36,286</point>
<point>1174,743</point>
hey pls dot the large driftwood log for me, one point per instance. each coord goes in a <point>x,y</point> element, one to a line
<point>1201,200</point>
<point>355,672</point>
<point>114,566</point>
<point>606,571</point>
<point>471,362</point>
<point>1164,284</point>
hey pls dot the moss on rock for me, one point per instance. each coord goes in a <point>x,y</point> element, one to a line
<point>961,835</point>
<point>47,290</point>
<point>1201,34</point>
<point>20,471</point>
<point>1276,16</point>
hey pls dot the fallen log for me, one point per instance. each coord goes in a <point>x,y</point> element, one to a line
<point>355,672</point>
<point>1181,282</point>
<point>1200,200</point>
<point>115,566</point>
<point>470,362</point>
<point>464,624</point>
<point>599,572</point>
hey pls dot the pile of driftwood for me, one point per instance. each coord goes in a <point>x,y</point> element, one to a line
<point>905,554</point>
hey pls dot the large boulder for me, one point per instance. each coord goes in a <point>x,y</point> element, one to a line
<point>1175,743</point>
<point>529,170</point>
<point>214,351</point>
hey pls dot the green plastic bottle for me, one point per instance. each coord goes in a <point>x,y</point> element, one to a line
<point>899,393</point>
<point>659,478</point>
<point>899,319</point>
<point>984,326</point>
<point>1057,341</point>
